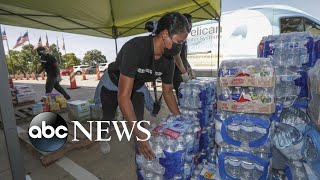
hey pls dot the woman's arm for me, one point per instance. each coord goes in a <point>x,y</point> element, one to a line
<point>125,87</point>
<point>167,90</point>
<point>179,63</point>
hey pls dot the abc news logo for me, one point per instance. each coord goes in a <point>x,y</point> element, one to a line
<point>48,131</point>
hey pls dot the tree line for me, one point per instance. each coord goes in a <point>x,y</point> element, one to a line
<point>27,60</point>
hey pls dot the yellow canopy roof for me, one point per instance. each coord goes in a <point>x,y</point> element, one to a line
<point>102,18</point>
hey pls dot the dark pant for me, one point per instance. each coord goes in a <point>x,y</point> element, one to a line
<point>177,80</point>
<point>53,83</point>
<point>109,103</point>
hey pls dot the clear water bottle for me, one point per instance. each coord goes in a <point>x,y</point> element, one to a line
<point>170,146</point>
<point>149,175</point>
<point>247,169</point>
<point>234,130</point>
<point>232,166</point>
<point>177,177</point>
<point>304,55</point>
<point>293,53</point>
<point>265,96</point>
<point>294,117</point>
<point>157,177</point>
<point>310,152</point>
<point>158,147</point>
<point>181,147</point>
<point>252,93</point>
<point>204,162</point>
<point>236,93</point>
<point>259,132</point>
<point>187,170</point>
<point>258,171</point>
<point>226,94</point>
<point>212,158</point>
<point>196,175</point>
<point>280,57</point>
<point>247,132</point>
<point>288,140</point>
<point>189,139</point>
<point>149,164</point>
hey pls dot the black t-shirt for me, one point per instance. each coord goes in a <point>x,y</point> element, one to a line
<point>135,60</point>
<point>48,63</point>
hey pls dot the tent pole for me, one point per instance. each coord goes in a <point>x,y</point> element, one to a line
<point>115,36</point>
<point>8,121</point>
<point>116,43</point>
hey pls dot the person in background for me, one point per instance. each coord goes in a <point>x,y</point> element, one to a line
<point>50,65</point>
<point>183,70</point>
<point>140,60</point>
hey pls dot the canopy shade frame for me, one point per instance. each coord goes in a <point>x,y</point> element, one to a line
<point>86,21</point>
<point>99,30</point>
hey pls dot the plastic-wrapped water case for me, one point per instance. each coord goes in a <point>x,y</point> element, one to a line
<point>311,149</point>
<point>299,170</point>
<point>240,163</point>
<point>175,141</point>
<point>205,116</point>
<point>197,94</point>
<point>287,90</point>
<point>314,93</point>
<point>247,73</point>
<point>316,48</point>
<point>247,86</point>
<point>288,140</point>
<point>295,117</point>
<point>289,49</point>
<point>246,99</point>
<point>249,130</point>
<point>78,110</point>
<point>266,46</point>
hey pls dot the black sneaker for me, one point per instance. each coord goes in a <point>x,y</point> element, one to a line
<point>67,97</point>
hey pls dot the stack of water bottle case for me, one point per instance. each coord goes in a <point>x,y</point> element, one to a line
<point>261,129</point>
<point>182,142</point>
<point>243,125</point>
<point>295,138</point>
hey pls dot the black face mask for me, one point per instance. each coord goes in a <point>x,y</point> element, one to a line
<point>175,49</point>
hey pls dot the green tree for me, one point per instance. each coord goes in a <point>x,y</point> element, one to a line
<point>69,60</point>
<point>29,59</point>
<point>94,57</point>
<point>13,61</point>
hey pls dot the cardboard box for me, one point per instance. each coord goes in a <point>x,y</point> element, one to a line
<point>79,110</point>
<point>22,89</point>
<point>79,105</point>
<point>245,81</point>
<point>246,107</point>
<point>26,97</point>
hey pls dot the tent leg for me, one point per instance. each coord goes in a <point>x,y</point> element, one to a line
<point>9,122</point>
<point>116,44</point>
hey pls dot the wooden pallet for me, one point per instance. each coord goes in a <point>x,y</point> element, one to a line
<point>23,104</point>
<point>47,158</point>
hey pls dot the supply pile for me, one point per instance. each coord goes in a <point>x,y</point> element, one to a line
<point>295,136</point>
<point>243,126</point>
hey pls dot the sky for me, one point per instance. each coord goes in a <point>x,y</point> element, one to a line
<point>80,44</point>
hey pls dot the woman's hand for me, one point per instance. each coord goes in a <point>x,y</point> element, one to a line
<point>144,147</point>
